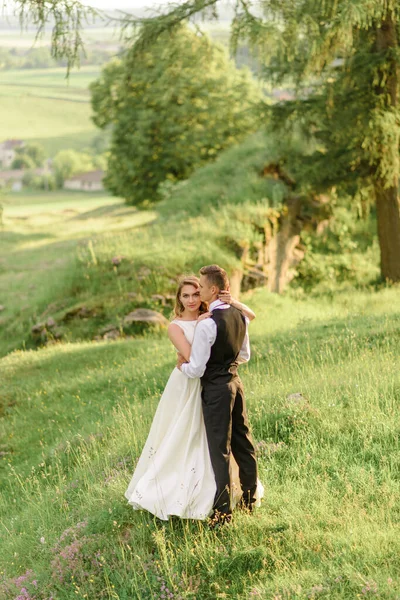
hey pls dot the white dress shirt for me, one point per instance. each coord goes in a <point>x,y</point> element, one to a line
<point>204,337</point>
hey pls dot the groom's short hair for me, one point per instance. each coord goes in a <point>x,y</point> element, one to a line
<point>216,276</point>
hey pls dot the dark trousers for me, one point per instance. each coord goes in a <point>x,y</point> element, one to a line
<point>227,429</point>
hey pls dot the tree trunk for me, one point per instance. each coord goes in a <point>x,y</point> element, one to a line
<point>387,199</point>
<point>388,215</point>
<point>282,248</point>
<point>235,281</point>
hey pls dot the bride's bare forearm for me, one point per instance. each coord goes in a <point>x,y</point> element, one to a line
<point>244,309</point>
<point>186,354</point>
<point>179,341</point>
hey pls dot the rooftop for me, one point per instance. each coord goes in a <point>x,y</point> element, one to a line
<point>90,177</point>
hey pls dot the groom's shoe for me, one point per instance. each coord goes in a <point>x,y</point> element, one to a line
<point>245,506</point>
<point>219,519</point>
<point>246,502</point>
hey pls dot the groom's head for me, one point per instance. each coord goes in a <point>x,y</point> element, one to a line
<point>213,280</point>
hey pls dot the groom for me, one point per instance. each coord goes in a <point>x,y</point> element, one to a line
<point>220,344</point>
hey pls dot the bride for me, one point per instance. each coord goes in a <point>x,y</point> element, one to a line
<point>174,475</point>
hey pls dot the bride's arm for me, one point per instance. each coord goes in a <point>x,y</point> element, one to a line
<point>178,339</point>
<point>225,296</point>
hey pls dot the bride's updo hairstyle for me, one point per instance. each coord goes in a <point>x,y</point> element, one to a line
<point>188,280</point>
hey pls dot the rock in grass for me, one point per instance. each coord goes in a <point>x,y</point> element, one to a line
<point>112,335</point>
<point>2,307</point>
<point>107,328</point>
<point>145,315</point>
<point>38,328</point>
<point>80,312</point>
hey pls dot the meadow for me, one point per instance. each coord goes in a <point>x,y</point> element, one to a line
<point>76,417</point>
<point>43,106</point>
<point>323,390</point>
<point>323,384</point>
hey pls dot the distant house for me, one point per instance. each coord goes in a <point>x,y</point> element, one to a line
<point>7,152</point>
<point>86,182</point>
<point>14,178</point>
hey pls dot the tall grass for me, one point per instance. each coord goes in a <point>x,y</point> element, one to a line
<point>323,394</point>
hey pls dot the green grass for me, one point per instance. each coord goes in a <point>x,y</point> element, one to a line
<point>43,106</point>
<point>77,415</point>
<point>74,415</point>
<point>39,244</point>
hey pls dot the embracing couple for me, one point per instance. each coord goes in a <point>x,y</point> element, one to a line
<point>199,460</point>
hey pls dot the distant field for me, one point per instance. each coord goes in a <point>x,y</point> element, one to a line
<point>14,38</point>
<point>53,78</point>
<point>42,105</point>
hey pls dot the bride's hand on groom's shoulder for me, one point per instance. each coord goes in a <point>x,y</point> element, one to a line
<point>204,316</point>
<point>225,296</point>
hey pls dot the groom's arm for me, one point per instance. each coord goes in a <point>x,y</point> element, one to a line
<point>244,354</point>
<point>204,338</point>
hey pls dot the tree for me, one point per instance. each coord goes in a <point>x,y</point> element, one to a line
<point>69,162</point>
<point>343,58</point>
<point>22,161</point>
<point>66,19</point>
<point>171,107</point>
<point>300,40</point>
<point>29,156</point>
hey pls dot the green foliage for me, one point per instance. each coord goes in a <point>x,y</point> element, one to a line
<point>29,156</point>
<point>342,253</point>
<point>66,19</point>
<point>342,60</point>
<point>23,162</point>
<point>69,162</point>
<point>173,106</point>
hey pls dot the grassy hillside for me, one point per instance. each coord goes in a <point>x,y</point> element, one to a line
<point>57,249</point>
<point>83,235</point>
<point>76,416</point>
<point>40,244</point>
<point>323,391</point>
<point>42,105</point>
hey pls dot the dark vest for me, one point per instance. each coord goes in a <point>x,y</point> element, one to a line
<point>231,331</point>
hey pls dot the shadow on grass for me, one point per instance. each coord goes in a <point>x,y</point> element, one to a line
<point>12,237</point>
<point>120,210</point>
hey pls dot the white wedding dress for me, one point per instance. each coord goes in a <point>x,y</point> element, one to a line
<point>174,475</point>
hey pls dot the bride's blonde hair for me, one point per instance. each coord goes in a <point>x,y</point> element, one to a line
<point>187,280</point>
